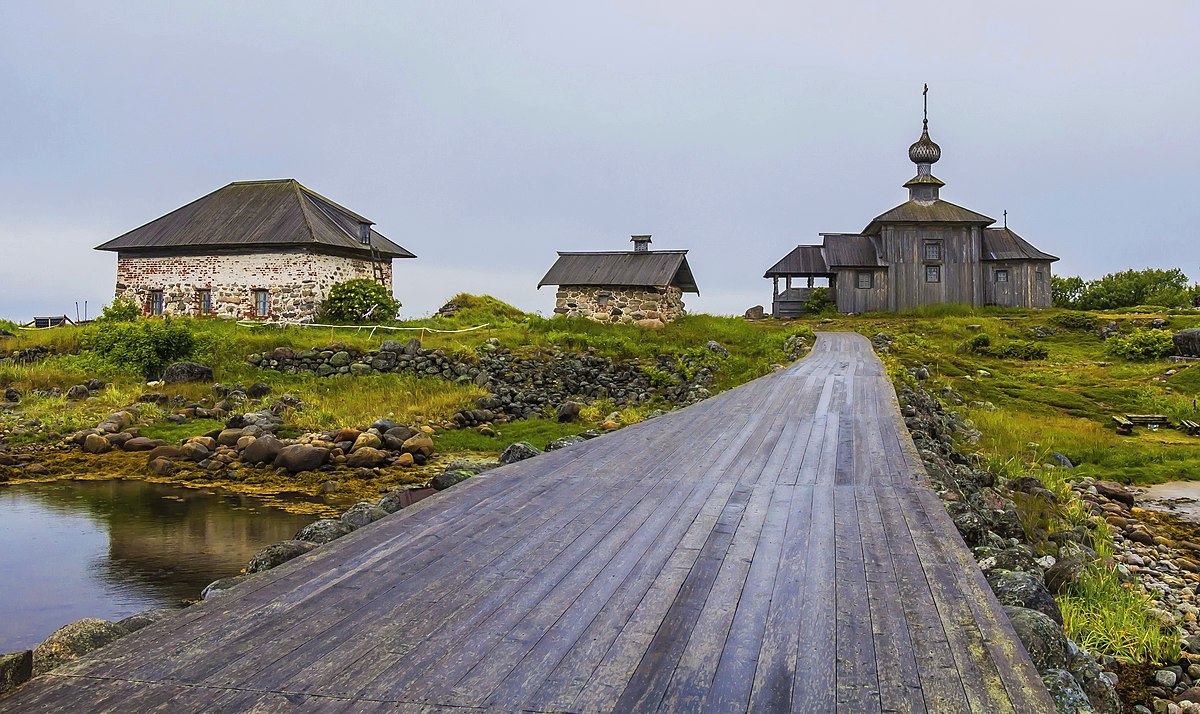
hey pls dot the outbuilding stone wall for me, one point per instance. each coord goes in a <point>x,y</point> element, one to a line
<point>296,280</point>
<point>620,304</point>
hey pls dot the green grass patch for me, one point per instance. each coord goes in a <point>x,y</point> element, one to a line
<point>538,432</point>
<point>1105,616</point>
<point>175,433</point>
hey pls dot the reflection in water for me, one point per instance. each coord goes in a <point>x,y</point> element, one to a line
<point>73,549</point>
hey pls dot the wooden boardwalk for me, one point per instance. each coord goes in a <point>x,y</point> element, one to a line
<point>772,549</point>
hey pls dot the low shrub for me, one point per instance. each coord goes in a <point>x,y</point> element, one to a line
<point>1141,345</point>
<point>978,344</point>
<point>145,347</point>
<point>1025,351</point>
<point>1074,320</point>
<point>121,310</point>
<point>359,301</point>
<point>818,302</point>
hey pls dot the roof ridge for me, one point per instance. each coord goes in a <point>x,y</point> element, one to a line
<point>281,180</point>
<point>682,251</point>
<point>304,211</point>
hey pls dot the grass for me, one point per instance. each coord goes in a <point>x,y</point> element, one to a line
<point>538,432</point>
<point>175,433</point>
<point>1106,616</point>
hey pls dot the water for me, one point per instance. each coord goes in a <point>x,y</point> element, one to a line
<point>109,549</point>
<point>1179,497</point>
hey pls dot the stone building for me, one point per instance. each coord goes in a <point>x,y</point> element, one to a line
<point>926,251</point>
<point>642,285</point>
<point>252,249</point>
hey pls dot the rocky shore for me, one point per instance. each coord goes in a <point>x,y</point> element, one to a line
<point>1153,551</point>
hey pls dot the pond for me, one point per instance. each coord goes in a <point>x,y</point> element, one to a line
<point>109,549</point>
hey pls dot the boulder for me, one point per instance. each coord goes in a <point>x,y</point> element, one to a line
<point>263,450</point>
<point>12,394</point>
<point>443,481</point>
<point>1043,637</point>
<point>569,411</point>
<point>716,348</point>
<point>1187,342</point>
<point>179,372</point>
<point>564,442</point>
<point>217,587</point>
<point>15,669</point>
<point>300,457</point>
<point>419,444</point>
<point>1099,690</point>
<point>404,460</point>
<point>72,641</point>
<point>194,451</point>
<point>1065,574</point>
<point>755,313</point>
<point>96,444</point>
<point>1068,697</point>
<point>164,452</point>
<point>367,457</point>
<point>322,531</point>
<point>277,554</point>
<point>133,623</point>
<point>392,501</point>
<point>474,467</point>
<point>78,392</point>
<point>402,432</point>
<point>161,466</point>
<point>519,452</point>
<point>1023,590</point>
<point>366,440</point>
<point>362,513</point>
<point>1116,492</point>
<point>229,437</point>
<point>141,443</point>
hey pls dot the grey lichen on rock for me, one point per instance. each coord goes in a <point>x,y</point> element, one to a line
<point>277,554</point>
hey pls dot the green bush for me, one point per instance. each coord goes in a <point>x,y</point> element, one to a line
<point>976,345</point>
<point>1074,320</point>
<point>359,301</point>
<point>1019,350</point>
<point>145,347</point>
<point>1141,345</point>
<point>121,310</point>
<point>818,302</point>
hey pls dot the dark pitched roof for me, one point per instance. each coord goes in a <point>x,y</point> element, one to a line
<point>257,214</point>
<point>840,250</point>
<point>804,259</point>
<point>846,250</point>
<point>938,211</point>
<point>1004,244</point>
<point>656,268</point>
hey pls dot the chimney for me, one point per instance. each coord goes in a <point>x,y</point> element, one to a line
<point>641,244</point>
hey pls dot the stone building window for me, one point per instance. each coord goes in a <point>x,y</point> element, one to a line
<point>262,303</point>
<point>933,250</point>
<point>864,280</point>
<point>154,302</point>
<point>1002,276</point>
<point>204,301</point>
<point>933,273</point>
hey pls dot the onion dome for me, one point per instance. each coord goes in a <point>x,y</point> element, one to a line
<point>924,151</point>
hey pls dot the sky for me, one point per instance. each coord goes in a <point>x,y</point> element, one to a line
<point>486,136</point>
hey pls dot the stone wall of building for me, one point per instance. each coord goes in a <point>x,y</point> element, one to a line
<point>296,281</point>
<point>619,304</point>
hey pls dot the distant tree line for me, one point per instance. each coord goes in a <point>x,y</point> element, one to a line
<point>1128,288</point>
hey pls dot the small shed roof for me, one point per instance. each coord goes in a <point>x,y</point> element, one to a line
<point>656,268</point>
<point>938,211</point>
<point>1004,244</point>
<point>257,214</point>
<point>803,260</point>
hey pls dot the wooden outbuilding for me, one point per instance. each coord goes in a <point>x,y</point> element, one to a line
<point>926,251</point>
<point>642,285</point>
<point>252,249</point>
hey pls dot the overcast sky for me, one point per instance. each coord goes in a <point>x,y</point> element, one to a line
<point>486,136</point>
